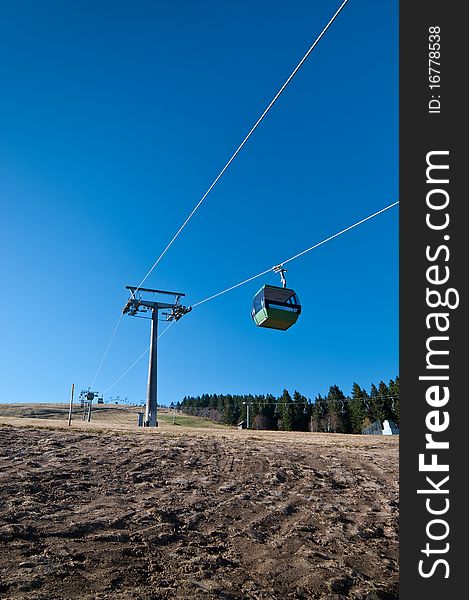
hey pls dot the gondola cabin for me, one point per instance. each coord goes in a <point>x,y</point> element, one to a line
<point>275,307</point>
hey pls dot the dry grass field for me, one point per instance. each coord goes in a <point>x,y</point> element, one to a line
<point>108,510</point>
<point>103,415</point>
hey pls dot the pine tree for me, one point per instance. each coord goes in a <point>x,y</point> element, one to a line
<point>264,413</point>
<point>375,405</point>
<point>286,411</point>
<point>318,421</point>
<point>300,412</point>
<point>358,408</point>
<point>380,400</point>
<point>230,411</point>
<point>334,409</point>
<point>387,401</point>
<point>346,416</point>
<point>394,393</point>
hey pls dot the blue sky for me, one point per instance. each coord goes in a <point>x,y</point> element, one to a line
<point>116,116</point>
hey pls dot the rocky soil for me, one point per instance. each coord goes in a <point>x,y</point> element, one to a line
<point>213,515</point>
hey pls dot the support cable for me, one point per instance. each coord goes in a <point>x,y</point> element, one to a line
<point>260,275</point>
<point>293,403</point>
<point>135,362</point>
<point>107,350</point>
<point>297,255</point>
<point>126,371</point>
<point>221,173</point>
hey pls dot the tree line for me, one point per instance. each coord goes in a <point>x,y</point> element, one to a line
<point>333,413</point>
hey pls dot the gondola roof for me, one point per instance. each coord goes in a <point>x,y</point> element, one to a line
<point>275,293</point>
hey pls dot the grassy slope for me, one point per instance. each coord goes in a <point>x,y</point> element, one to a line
<point>107,413</point>
<point>189,421</point>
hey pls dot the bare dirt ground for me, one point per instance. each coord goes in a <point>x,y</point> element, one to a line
<point>95,511</point>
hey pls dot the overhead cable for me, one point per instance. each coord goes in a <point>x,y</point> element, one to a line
<point>135,361</point>
<point>107,349</point>
<point>221,173</point>
<point>264,273</point>
<point>254,127</point>
<point>297,255</point>
<point>126,371</point>
<point>278,401</point>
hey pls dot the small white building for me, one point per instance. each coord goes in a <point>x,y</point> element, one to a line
<point>389,428</point>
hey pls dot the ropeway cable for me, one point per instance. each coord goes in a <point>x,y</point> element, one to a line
<point>221,173</point>
<point>297,255</point>
<point>126,371</point>
<point>135,362</point>
<point>254,127</point>
<point>107,349</point>
<point>275,403</point>
<point>328,239</point>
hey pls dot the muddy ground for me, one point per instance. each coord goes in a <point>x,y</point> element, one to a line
<point>213,515</point>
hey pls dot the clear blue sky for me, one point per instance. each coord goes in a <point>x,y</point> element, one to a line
<point>115,117</point>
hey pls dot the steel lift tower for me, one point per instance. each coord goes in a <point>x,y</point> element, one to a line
<point>86,400</point>
<point>138,304</point>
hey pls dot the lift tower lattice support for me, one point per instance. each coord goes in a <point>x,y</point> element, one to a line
<point>86,399</point>
<point>138,304</point>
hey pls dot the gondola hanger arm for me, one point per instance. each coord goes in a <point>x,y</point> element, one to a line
<point>281,271</point>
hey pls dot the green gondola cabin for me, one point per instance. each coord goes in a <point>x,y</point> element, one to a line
<point>275,307</point>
